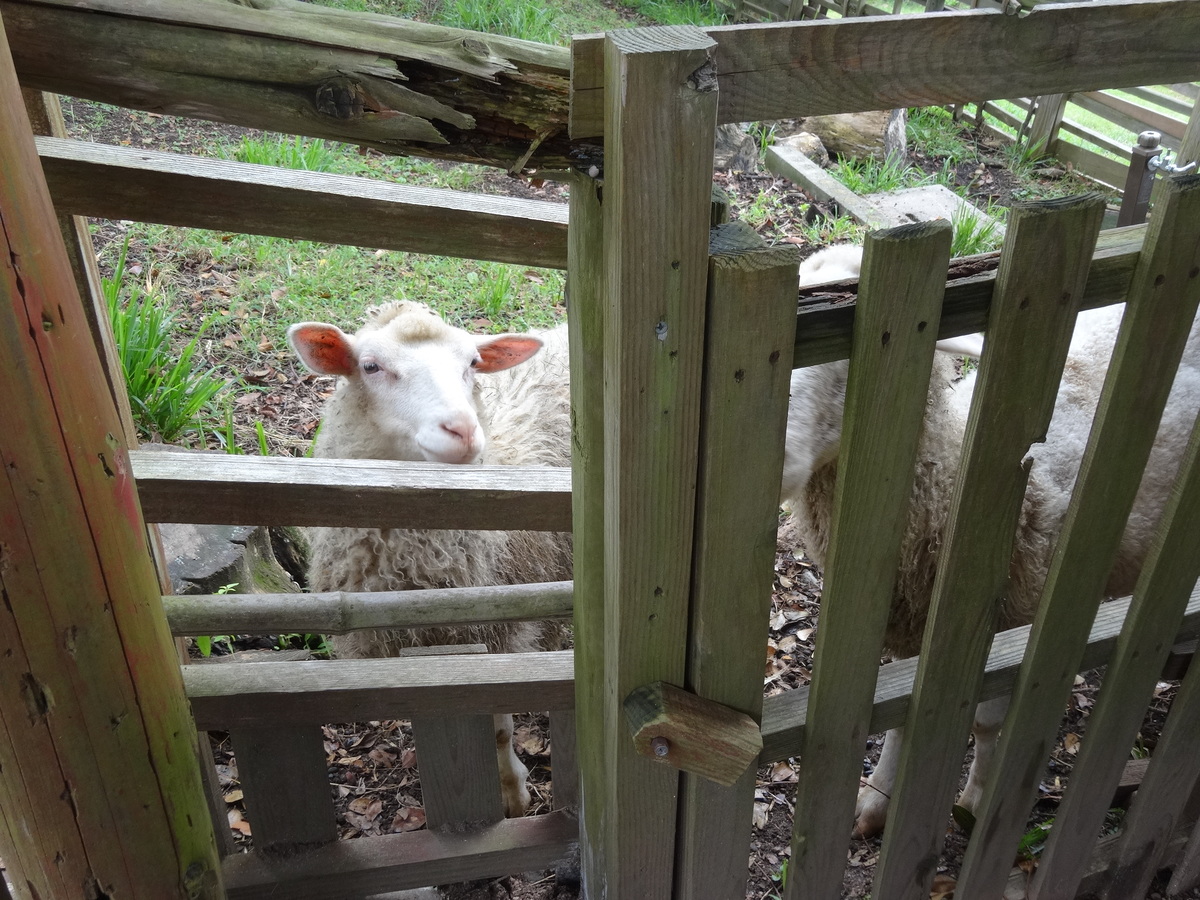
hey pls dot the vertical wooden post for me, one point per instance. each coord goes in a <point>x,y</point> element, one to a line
<point>751,331</point>
<point>99,784</point>
<point>585,325</point>
<point>895,327</point>
<point>660,123</point>
<point>1049,115</point>
<point>1043,270</point>
<point>1163,298</point>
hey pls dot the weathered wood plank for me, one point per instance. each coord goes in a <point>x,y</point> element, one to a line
<point>791,69</point>
<point>98,767</point>
<point>1043,268</point>
<point>353,690</point>
<point>221,489</point>
<point>826,317</point>
<point>1145,118</point>
<point>148,186</point>
<point>394,862</point>
<point>1158,806</point>
<point>902,286</point>
<point>585,330</point>
<point>564,759</point>
<point>1166,100</point>
<point>1093,165</point>
<point>1187,873</point>
<point>460,784</point>
<point>281,767</point>
<point>1046,121</point>
<point>1163,301</point>
<point>661,122</point>
<point>785,715</point>
<point>341,612</point>
<point>751,319</point>
<point>1171,569</point>
<point>1092,102</point>
<point>1092,137</point>
<point>378,81</point>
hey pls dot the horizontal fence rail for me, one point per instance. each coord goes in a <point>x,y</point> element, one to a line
<point>785,70</point>
<point>221,489</point>
<point>393,862</point>
<point>341,612</point>
<point>358,690</point>
<point>170,189</point>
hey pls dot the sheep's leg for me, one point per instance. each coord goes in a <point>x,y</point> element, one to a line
<point>513,773</point>
<point>989,716</point>
<point>875,795</point>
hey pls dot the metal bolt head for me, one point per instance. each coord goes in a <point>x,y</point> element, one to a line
<point>1148,140</point>
<point>661,746</point>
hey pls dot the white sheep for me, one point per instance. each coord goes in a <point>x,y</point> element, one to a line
<point>813,439</point>
<point>408,390</point>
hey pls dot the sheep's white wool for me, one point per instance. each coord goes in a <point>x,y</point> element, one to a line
<point>519,415</point>
<point>810,470</point>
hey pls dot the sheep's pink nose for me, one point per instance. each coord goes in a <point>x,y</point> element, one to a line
<point>459,429</point>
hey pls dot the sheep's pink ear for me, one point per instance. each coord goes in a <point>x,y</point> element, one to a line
<point>324,348</point>
<point>506,351</point>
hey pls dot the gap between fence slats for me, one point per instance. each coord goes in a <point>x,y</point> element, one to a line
<point>171,189</point>
<point>359,690</point>
<point>1170,571</point>
<point>1149,346</point>
<point>786,70</point>
<point>341,612</point>
<point>1043,268</point>
<point>902,288</point>
<point>393,862</point>
<point>751,314</point>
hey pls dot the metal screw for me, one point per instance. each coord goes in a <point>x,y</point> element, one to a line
<point>661,746</point>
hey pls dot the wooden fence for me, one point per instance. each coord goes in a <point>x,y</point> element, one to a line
<point>1040,121</point>
<point>675,532</point>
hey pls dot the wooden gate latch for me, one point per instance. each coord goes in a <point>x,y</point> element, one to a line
<point>678,728</point>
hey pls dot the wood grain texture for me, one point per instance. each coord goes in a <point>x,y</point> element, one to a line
<point>394,862</point>
<point>391,84</point>
<point>322,691</point>
<point>751,317</point>
<point>1164,296</point>
<point>826,319</point>
<point>811,68</point>
<point>902,285</point>
<point>148,186</point>
<point>1043,268</point>
<point>1187,873</point>
<point>281,768</point>
<point>585,331</point>
<point>460,784</point>
<point>99,784</point>
<point>676,728</point>
<point>785,715</point>
<point>1144,117</point>
<point>657,202</point>
<point>221,489</point>
<point>1171,569</point>
<point>1158,807</point>
<point>341,612</point>
<point>564,759</point>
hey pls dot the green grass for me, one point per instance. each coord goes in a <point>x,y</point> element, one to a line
<point>973,234</point>
<point>288,153</point>
<point>514,18</point>
<point>869,176</point>
<point>170,392</point>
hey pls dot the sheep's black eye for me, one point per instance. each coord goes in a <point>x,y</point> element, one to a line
<point>370,367</point>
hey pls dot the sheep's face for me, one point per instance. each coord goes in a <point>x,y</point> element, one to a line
<point>413,378</point>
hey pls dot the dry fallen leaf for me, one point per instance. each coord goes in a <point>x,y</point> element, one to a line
<point>238,822</point>
<point>760,814</point>
<point>408,819</point>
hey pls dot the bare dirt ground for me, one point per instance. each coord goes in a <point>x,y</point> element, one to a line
<point>373,766</point>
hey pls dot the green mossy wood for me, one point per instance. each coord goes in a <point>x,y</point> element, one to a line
<point>1043,270</point>
<point>100,791</point>
<point>895,325</point>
